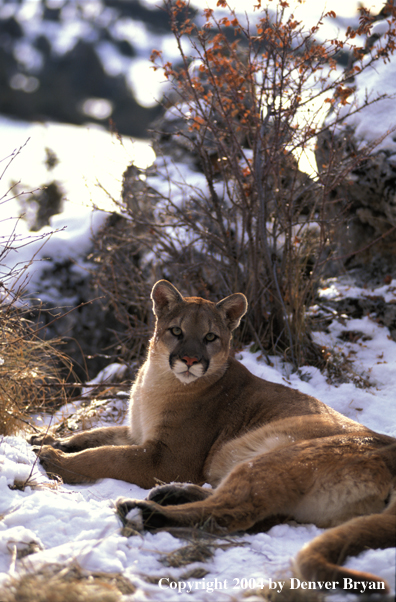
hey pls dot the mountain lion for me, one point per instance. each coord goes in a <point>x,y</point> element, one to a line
<point>198,416</point>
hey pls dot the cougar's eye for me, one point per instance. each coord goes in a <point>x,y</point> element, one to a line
<point>210,337</point>
<point>176,331</point>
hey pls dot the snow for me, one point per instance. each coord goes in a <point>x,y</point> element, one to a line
<point>79,521</point>
<point>375,123</point>
<point>90,168</point>
<point>91,161</point>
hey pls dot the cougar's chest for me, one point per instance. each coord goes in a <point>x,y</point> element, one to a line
<point>148,399</point>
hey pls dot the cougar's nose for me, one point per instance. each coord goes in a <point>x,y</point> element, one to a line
<point>190,360</point>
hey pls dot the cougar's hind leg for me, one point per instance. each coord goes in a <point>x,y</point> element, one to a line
<point>326,481</point>
<point>151,514</point>
<point>252,492</point>
<point>176,494</point>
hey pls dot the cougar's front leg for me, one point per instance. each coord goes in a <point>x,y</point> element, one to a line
<point>111,435</point>
<point>142,465</point>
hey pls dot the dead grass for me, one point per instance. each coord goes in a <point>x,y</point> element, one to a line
<point>197,573</point>
<point>195,552</point>
<point>31,377</point>
<point>56,583</point>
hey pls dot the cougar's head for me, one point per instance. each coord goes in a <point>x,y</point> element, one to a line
<point>191,333</point>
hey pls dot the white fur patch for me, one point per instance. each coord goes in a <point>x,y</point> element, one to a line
<point>187,375</point>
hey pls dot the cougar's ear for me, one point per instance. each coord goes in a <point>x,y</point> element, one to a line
<point>165,296</point>
<point>233,308</point>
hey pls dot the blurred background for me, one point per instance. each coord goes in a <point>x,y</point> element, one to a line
<point>86,63</point>
<point>79,61</point>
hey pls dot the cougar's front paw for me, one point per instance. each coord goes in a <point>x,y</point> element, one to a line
<point>44,439</point>
<point>56,462</point>
<point>50,459</point>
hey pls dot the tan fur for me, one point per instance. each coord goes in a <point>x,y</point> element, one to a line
<point>318,560</point>
<point>197,415</point>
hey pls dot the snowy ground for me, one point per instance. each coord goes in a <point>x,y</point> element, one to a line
<point>78,523</point>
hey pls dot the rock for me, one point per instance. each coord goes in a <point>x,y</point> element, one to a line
<point>367,233</point>
<point>355,308</point>
<point>363,145</point>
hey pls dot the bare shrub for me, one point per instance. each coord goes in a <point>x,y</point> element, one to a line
<point>125,284</point>
<point>33,371</point>
<point>247,103</point>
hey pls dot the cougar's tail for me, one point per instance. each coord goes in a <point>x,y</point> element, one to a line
<point>320,559</point>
